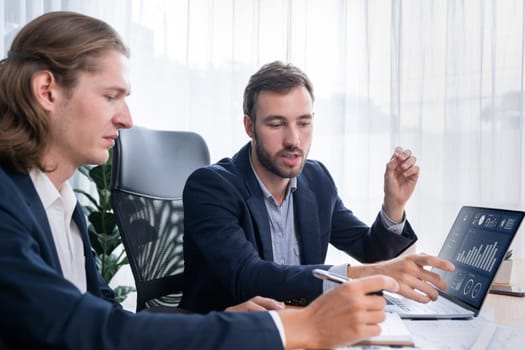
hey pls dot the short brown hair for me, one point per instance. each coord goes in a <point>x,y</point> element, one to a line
<point>277,77</point>
<point>64,43</point>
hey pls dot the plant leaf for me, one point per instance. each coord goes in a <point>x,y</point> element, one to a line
<point>89,197</point>
<point>121,292</point>
<point>104,223</point>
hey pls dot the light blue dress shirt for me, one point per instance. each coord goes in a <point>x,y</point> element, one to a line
<point>285,244</point>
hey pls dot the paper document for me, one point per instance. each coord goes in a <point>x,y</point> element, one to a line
<point>393,332</point>
<point>473,334</point>
<point>480,333</point>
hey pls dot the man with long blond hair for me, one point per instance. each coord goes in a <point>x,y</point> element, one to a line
<point>63,89</point>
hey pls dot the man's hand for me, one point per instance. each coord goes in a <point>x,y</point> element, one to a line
<point>401,176</point>
<point>414,280</point>
<point>257,304</point>
<point>344,315</point>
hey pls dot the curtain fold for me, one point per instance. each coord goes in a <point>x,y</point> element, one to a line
<point>443,78</point>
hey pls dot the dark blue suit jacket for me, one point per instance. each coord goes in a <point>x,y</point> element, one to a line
<point>227,242</point>
<point>39,309</point>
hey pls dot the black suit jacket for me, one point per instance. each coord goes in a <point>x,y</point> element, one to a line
<point>227,241</point>
<point>41,310</point>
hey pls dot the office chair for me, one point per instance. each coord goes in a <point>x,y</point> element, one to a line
<point>149,170</point>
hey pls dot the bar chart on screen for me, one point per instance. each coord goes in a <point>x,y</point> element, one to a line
<point>481,257</point>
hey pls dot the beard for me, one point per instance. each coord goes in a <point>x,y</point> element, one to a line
<point>265,158</point>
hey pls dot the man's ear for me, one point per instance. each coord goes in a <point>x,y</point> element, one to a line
<point>249,125</point>
<point>45,89</point>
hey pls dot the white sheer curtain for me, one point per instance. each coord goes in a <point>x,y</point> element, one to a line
<point>443,78</point>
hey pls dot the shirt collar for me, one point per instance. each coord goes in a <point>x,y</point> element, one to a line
<point>49,194</point>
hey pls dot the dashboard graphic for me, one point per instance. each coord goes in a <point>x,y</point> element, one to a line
<point>481,257</point>
<point>476,244</point>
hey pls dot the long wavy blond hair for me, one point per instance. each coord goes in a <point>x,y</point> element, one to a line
<point>64,43</point>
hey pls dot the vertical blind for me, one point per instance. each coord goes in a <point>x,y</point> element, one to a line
<point>443,78</point>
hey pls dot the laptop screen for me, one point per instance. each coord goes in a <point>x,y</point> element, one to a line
<point>476,245</point>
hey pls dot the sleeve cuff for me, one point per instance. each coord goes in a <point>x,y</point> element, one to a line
<point>278,325</point>
<point>338,269</point>
<point>391,225</point>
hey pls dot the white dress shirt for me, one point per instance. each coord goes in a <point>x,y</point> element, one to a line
<point>59,207</point>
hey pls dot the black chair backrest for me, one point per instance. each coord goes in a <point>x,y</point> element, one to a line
<point>149,171</point>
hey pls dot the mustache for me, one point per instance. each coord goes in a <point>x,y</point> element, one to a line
<point>291,150</point>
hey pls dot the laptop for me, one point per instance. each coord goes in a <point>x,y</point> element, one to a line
<point>476,245</point>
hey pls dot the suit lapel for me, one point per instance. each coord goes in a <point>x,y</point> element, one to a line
<point>90,264</point>
<point>26,187</point>
<point>255,202</point>
<point>306,218</point>
<point>260,216</point>
<point>28,191</point>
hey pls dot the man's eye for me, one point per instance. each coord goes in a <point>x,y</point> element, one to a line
<point>275,125</point>
<point>109,97</point>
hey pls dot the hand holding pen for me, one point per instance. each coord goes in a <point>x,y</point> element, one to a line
<point>333,277</point>
<point>348,313</point>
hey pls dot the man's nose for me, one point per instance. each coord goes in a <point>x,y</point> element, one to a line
<point>292,137</point>
<point>123,118</point>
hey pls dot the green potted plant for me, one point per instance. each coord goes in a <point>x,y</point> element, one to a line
<point>102,227</point>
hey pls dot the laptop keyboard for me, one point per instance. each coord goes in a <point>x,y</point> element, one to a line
<point>442,306</point>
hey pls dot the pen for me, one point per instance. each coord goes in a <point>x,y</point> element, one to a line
<point>334,277</point>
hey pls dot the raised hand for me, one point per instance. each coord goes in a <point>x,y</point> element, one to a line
<point>401,176</point>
